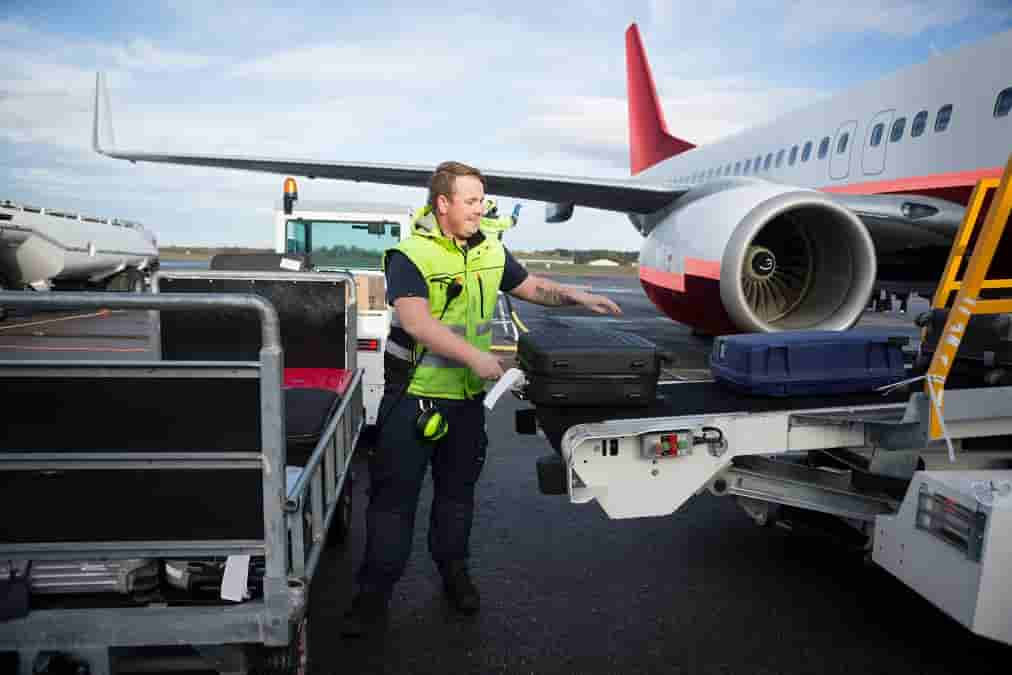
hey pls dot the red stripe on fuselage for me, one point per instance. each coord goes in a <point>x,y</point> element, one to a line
<point>955,186</point>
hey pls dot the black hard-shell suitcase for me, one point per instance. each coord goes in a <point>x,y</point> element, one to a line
<point>592,390</point>
<point>985,349</point>
<point>567,366</point>
<point>561,350</point>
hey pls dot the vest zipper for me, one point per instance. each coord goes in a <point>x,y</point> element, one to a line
<point>481,295</point>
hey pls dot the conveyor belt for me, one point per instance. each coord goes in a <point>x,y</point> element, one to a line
<point>678,399</point>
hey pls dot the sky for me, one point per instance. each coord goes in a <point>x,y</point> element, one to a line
<point>525,86</point>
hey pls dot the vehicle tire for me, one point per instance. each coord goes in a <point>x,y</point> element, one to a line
<point>3,310</point>
<point>290,660</point>
<point>134,280</point>
<point>340,526</point>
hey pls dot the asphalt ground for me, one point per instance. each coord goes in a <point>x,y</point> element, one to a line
<point>566,590</point>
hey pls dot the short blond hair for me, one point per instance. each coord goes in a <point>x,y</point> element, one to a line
<point>444,179</point>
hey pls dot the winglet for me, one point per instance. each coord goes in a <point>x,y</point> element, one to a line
<point>102,141</point>
<point>649,140</point>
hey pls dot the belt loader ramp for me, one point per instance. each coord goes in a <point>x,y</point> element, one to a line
<point>921,481</point>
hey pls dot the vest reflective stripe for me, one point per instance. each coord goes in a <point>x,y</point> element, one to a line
<point>398,351</point>
<point>440,260</point>
<point>438,361</point>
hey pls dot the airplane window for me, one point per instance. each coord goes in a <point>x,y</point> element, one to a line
<point>807,152</point>
<point>737,168</point>
<point>920,121</point>
<point>780,158</point>
<point>897,131</point>
<point>841,145</point>
<point>769,159</point>
<point>1004,103</point>
<point>748,165</point>
<point>727,170</point>
<point>824,147</point>
<point>794,156</point>
<point>876,135</point>
<point>755,165</point>
<point>943,117</point>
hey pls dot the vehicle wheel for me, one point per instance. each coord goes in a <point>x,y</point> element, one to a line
<point>134,281</point>
<point>340,526</point>
<point>290,660</point>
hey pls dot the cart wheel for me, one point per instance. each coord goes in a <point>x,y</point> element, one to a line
<point>340,526</point>
<point>290,660</point>
<point>134,281</point>
<point>3,287</point>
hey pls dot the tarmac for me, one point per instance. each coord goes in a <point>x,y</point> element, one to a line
<point>566,590</point>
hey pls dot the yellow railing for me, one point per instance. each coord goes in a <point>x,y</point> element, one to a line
<point>968,302</point>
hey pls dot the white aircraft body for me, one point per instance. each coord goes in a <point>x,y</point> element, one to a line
<point>786,226</point>
<point>45,248</point>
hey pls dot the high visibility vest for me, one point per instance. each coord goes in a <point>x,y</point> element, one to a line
<point>441,260</point>
<point>496,226</point>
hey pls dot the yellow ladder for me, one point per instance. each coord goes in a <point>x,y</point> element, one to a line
<point>968,302</point>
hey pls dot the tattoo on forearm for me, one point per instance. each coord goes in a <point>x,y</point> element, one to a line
<point>553,297</point>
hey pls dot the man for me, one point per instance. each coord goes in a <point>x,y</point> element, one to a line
<point>492,224</point>
<point>442,282</point>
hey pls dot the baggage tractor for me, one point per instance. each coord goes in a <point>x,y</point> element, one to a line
<point>800,363</point>
<point>985,350</point>
<point>567,366</point>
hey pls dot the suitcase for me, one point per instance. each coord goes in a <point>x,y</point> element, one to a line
<point>806,363</point>
<point>567,366</point>
<point>984,357</point>
<point>133,576</point>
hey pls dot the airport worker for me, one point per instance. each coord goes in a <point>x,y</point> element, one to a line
<point>442,282</point>
<point>494,225</point>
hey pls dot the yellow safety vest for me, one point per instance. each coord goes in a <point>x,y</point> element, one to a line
<point>480,268</point>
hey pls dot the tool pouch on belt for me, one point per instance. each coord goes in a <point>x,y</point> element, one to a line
<point>14,592</point>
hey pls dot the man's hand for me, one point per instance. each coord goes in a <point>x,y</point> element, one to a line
<point>598,304</point>
<point>486,366</point>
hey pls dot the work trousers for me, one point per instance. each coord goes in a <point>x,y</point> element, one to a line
<point>396,471</point>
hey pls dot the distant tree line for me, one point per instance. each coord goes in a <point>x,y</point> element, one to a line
<point>347,256</point>
<point>583,257</point>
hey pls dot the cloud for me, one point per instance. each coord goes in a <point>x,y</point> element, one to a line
<point>809,21</point>
<point>145,55</point>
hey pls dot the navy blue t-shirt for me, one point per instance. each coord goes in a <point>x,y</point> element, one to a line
<point>404,280</point>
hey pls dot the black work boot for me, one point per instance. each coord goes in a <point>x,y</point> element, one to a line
<point>459,588</point>
<point>365,614</point>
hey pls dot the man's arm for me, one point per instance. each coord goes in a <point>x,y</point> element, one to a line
<point>416,318</point>
<point>542,291</point>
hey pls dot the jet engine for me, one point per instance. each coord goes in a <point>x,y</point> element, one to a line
<point>782,258</point>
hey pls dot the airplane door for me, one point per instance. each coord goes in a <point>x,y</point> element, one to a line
<point>873,152</point>
<point>841,149</point>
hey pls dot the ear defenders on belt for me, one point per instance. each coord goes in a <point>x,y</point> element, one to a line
<point>430,425</point>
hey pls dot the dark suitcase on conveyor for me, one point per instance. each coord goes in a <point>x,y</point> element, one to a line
<point>985,350</point>
<point>802,363</point>
<point>568,366</point>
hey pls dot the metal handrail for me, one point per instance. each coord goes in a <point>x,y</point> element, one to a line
<point>296,494</point>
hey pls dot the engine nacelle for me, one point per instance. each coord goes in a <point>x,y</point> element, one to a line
<point>776,257</point>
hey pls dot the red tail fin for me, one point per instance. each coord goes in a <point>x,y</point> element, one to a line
<point>649,140</point>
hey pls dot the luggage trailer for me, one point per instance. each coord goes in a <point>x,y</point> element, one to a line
<point>926,494</point>
<point>171,459</point>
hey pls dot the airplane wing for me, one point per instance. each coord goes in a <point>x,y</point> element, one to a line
<point>608,194</point>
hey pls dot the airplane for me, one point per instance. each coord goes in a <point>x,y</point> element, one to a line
<point>790,225</point>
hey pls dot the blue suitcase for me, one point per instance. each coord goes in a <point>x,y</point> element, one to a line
<point>810,362</point>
